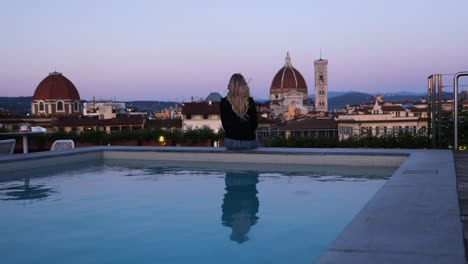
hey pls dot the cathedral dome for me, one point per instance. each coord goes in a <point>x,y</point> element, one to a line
<point>287,79</point>
<point>55,87</point>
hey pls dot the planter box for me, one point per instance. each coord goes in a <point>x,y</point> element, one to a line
<point>202,143</point>
<point>86,144</point>
<point>128,142</point>
<point>32,146</point>
<point>153,143</point>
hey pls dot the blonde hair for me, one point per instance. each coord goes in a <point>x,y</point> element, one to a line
<point>238,95</point>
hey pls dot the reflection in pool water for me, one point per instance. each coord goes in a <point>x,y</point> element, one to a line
<point>240,204</point>
<point>143,212</point>
<point>25,191</point>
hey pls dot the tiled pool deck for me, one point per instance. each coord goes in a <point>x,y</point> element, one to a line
<point>413,218</point>
<point>461,169</point>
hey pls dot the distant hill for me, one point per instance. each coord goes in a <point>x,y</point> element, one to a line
<point>351,98</point>
<point>151,106</point>
<point>19,105</point>
<point>260,100</point>
<point>404,93</point>
<point>359,98</point>
<point>331,94</point>
<point>401,98</point>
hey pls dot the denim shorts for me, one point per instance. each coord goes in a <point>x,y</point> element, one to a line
<point>233,144</point>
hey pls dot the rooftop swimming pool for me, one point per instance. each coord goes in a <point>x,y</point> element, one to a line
<point>121,205</point>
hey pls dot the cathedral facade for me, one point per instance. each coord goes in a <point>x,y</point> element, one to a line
<point>289,89</point>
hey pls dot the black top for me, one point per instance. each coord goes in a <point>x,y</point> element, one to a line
<point>235,127</point>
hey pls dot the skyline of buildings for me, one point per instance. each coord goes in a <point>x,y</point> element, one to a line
<point>320,81</point>
<point>171,51</point>
<point>56,103</point>
<point>190,94</point>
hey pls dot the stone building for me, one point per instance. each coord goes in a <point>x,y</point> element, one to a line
<point>57,103</point>
<point>380,118</point>
<point>197,115</point>
<point>321,85</point>
<point>288,88</point>
<point>55,95</point>
<point>93,123</point>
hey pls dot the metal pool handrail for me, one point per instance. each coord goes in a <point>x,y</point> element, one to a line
<point>455,107</point>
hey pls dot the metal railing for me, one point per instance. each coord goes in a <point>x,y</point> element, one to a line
<point>435,114</point>
<point>455,107</point>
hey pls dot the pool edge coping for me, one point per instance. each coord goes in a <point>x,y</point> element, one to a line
<point>282,151</point>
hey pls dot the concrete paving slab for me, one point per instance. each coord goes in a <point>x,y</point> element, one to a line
<point>413,218</point>
<point>352,257</point>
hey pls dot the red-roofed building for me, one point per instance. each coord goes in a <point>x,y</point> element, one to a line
<point>88,123</point>
<point>288,88</point>
<point>164,124</point>
<point>310,124</point>
<point>196,115</point>
<point>55,95</point>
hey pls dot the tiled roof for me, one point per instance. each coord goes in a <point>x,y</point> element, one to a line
<point>163,123</point>
<point>6,113</point>
<point>263,120</point>
<point>200,108</point>
<point>415,109</point>
<point>387,108</point>
<point>30,121</point>
<point>214,97</point>
<point>393,120</point>
<point>56,86</point>
<point>310,123</point>
<point>95,121</point>
<point>289,78</point>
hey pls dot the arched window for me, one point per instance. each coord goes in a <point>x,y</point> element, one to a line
<point>59,106</point>
<point>41,106</point>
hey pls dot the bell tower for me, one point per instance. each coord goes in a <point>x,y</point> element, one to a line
<point>321,84</point>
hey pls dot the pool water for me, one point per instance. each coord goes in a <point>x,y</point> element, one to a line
<point>106,213</point>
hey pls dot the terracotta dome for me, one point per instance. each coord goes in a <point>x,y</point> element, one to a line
<point>54,87</point>
<point>287,79</point>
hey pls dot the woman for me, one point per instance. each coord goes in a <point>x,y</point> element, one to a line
<point>239,115</point>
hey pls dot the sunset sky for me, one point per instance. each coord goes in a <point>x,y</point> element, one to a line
<point>172,50</point>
